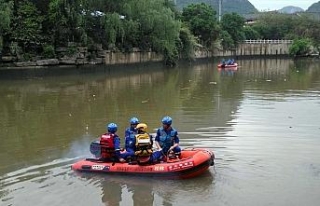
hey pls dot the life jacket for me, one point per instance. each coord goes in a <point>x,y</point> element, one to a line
<point>130,139</point>
<point>143,145</point>
<point>107,145</point>
<point>166,140</point>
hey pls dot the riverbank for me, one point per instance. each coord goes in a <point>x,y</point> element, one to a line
<point>82,57</point>
<point>98,56</point>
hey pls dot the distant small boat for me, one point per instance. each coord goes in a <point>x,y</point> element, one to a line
<point>227,65</point>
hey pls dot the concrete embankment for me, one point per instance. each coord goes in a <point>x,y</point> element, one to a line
<point>85,57</point>
<point>251,48</point>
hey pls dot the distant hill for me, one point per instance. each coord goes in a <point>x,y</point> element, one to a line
<point>290,10</point>
<point>314,7</point>
<point>228,6</point>
<point>314,11</point>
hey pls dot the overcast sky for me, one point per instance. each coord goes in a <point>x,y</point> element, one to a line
<point>278,4</point>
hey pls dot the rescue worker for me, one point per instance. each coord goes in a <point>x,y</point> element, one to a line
<point>223,63</point>
<point>143,144</point>
<point>167,138</point>
<point>130,139</point>
<point>110,144</point>
<point>232,61</point>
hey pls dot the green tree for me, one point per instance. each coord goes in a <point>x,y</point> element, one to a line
<point>114,29</point>
<point>68,20</point>
<point>131,37</point>
<point>307,27</point>
<point>27,26</point>
<point>250,33</point>
<point>300,47</point>
<point>58,21</point>
<point>226,40</point>
<point>6,17</point>
<point>187,43</point>
<point>158,28</point>
<point>233,24</point>
<point>275,26</point>
<point>201,19</point>
<point>282,26</point>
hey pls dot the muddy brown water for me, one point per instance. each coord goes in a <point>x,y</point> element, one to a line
<point>261,120</point>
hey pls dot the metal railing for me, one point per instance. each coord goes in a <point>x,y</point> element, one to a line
<point>268,41</point>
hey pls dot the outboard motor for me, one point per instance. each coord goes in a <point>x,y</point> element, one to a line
<point>95,148</point>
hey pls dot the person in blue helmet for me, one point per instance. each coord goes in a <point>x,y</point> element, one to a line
<point>130,139</point>
<point>228,62</point>
<point>167,138</point>
<point>223,63</point>
<point>110,144</point>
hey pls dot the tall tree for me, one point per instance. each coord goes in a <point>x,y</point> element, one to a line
<point>68,21</point>
<point>233,24</point>
<point>275,26</point>
<point>27,26</point>
<point>6,17</point>
<point>158,28</point>
<point>202,21</point>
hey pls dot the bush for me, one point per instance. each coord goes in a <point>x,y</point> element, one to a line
<point>71,50</point>
<point>48,51</point>
<point>300,47</point>
<point>27,57</point>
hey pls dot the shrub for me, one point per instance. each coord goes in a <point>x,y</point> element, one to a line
<point>48,51</point>
<point>300,47</point>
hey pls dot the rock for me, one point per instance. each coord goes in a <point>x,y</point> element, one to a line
<point>61,49</point>
<point>101,53</point>
<point>83,49</point>
<point>81,61</point>
<point>47,62</point>
<point>99,47</point>
<point>8,59</point>
<point>81,56</point>
<point>67,61</point>
<point>96,61</point>
<point>25,64</point>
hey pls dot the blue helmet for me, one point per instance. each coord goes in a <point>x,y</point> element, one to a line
<point>166,120</point>
<point>112,127</point>
<point>134,120</point>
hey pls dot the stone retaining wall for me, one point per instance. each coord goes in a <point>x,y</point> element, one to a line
<point>247,49</point>
<point>82,56</point>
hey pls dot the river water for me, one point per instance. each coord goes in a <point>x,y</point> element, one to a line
<point>262,121</point>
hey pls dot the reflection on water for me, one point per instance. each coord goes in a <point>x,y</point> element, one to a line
<point>148,191</point>
<point>55,180</point>
<point>261,120</point>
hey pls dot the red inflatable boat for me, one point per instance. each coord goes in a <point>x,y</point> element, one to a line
<point>235,65</point>
<point>193,162</point>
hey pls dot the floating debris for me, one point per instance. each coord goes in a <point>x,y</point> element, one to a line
<point>145,101</point>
